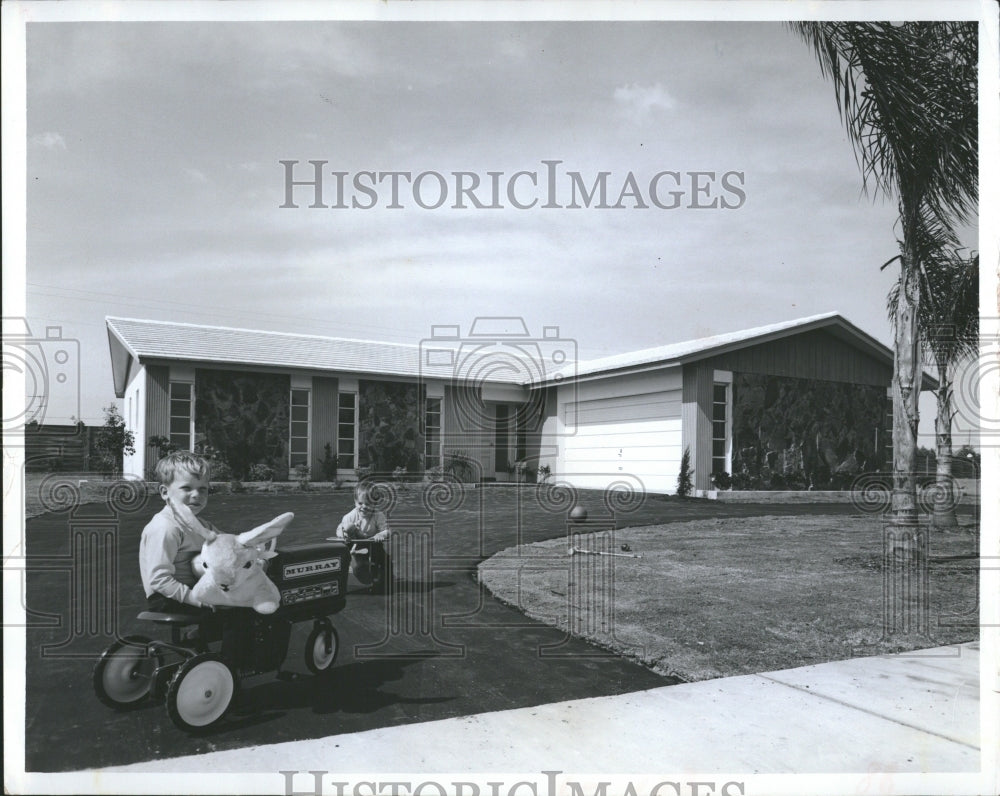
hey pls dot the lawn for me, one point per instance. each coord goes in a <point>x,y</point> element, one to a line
<point>718,597</point>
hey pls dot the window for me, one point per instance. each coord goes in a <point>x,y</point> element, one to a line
<point>181,401</point>
<point>298,435</point>
<point>720,436</point>
<point>347,413</point>
<point>432,433</point>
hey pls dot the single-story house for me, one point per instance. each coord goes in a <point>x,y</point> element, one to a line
<point>800,404</point>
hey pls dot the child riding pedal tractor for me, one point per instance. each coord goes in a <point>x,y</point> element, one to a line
<point>229,600</point>
<point>365,529</point>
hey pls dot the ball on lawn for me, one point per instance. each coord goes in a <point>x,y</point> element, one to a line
<point>578,514</point>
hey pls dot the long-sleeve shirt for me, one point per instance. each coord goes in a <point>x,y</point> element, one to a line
<point>165,554</point>
<point>367,526</point>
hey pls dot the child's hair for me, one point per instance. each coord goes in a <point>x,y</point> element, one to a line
<point>167,467</point>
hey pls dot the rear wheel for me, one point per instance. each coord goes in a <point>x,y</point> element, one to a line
<point>321,648</point>
<point>123,677</point>
<point>201,692</point>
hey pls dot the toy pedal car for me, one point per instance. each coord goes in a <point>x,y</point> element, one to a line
<point>199,684</point>
<point>370,563</point>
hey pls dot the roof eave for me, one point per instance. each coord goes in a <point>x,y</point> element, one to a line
<point>122,357</point>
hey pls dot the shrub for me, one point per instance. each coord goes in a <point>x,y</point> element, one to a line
<point>328,464</point>
<point>261,472</point>
<point>114,441</point>
<point>544,471</point>
<point>162,445</point>
<point>459,464</point>
<point>722,480</point>
<point>301,474</point>
<point>219,469</point>
<point>684,484</point>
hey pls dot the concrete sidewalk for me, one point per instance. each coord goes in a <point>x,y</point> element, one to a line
<point>915,712</point>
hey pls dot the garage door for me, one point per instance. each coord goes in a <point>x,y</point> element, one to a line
<point>638,435</point>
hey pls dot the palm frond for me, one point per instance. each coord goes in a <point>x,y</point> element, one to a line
<point>907,94</point>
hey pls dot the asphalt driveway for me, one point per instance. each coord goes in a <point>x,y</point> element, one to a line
<point>439,647</point>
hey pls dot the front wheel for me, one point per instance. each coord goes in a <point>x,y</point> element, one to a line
<point>201,692</point>
<point>123,677</point>
<point>321,648</point>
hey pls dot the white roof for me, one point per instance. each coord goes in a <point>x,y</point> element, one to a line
<point>447,358</point>
<point>453,358</point>
<point>691,350</point>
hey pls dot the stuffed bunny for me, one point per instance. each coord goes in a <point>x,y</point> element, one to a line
<point>231,567</point>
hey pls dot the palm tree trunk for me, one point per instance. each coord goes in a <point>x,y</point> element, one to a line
<point>944,515</point>
<point>906,385</point>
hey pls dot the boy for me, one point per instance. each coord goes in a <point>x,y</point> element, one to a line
<point>366,522</point>
<point>166,549</point>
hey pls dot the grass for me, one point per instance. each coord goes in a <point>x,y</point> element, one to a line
<point>719,597</point>
<point>56,491</point>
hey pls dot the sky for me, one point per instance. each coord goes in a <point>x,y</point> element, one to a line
<point>155,183</point>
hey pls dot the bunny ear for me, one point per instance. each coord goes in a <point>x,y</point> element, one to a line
<point>266,531</point>
<point>189,522</point>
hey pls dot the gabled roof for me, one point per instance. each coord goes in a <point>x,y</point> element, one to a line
<point>676,354</point>
<point>134,340</point>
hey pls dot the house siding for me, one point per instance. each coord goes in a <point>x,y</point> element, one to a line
<point>324,421</point>
<point>135,420</point>
<point>623,428</point>
<point>157,411</point>
<point>809,355</point>
<point>696,420</point>
<point>465,428</point>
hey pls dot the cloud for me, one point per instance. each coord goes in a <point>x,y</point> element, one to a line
<point>637,102</point>
<point>195,175</point>
<point>49,140</point>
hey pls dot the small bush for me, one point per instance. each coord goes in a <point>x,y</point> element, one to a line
<point>684,484</point>
<point>261,472</point>
<point>301,474</point>
<point>328,464</point>
<point>722,480</point>
<point>459,464</point>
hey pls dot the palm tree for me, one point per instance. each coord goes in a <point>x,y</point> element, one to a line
<point>949,325</point>
<point>907,94</point>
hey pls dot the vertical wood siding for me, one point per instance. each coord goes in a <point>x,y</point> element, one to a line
<point>324,421</point>
<point>466,431</point>
<point>696,421</point>
<point>810,355</point>
<point>157,402</point>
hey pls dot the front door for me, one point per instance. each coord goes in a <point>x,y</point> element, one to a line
<point>500,444</point>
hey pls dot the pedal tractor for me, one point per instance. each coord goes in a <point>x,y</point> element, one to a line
<point>370,563</point>
<point>199,684</point>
